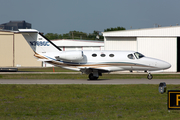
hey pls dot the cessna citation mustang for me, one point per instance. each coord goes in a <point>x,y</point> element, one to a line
<point>93,63</point>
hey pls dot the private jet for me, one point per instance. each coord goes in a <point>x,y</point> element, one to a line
<point>93,63</point>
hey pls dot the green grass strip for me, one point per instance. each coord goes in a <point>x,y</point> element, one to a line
<point>44,69</point>
<point>79,102</point>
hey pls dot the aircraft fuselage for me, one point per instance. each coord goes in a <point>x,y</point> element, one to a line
<point>110,61</point>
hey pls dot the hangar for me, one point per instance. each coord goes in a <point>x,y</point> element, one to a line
<point>15,51</point>
<point>73,44</point>
<point>161,43</point>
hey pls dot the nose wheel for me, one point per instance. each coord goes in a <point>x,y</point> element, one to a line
<point>149,76</point>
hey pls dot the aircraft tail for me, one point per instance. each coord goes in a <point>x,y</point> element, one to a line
<point>38,42</point>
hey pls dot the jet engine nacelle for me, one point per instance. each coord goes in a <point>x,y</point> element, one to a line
<point>70,55</point>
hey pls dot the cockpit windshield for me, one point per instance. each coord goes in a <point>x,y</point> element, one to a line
<point>138,55</point>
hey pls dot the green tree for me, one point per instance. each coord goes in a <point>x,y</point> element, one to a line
<point>78,35</point>
<point>81,35</point>
<point>93,36</point>
<point>66,36</point>
<point>60,36</point>
<point>52,36</point>
<point>114,29</point>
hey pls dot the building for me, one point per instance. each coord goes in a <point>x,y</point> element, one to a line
<point>15,51</point>
<point>71,44</point>
<point>161,43</point>
<point>15,25</point>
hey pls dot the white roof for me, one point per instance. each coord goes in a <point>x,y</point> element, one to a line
<point>72,42</point>
<point>28,30</point>
<point>173,31</point>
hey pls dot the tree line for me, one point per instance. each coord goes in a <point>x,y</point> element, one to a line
<point>96,35</point>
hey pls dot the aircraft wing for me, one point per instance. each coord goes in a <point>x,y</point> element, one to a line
<point>88,70</point>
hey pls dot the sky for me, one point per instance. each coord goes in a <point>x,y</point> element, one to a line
<point>62,16</point>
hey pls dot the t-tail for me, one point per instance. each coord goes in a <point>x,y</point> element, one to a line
<point>39,43</point>
<point>45,50</point>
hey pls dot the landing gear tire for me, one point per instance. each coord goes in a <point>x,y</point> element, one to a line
<point>91,77</point>
<point>149,76</point>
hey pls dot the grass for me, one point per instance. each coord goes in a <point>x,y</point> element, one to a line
<point>44,69</point>
<point>84,102</point>
<point>81,102</point>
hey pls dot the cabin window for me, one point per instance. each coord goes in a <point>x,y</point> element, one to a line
<point>94,55</point>
<point>138,55</point>
<point>103,55</point>
<point>111,55</point>
<point>130,56</point>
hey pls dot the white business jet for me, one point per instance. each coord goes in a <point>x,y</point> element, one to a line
<point>93,63</point>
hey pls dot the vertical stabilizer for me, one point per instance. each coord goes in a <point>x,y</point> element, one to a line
<point>38,42</point>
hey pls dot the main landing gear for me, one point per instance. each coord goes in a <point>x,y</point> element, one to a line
<point>92,77</point>
<point>149,76</point>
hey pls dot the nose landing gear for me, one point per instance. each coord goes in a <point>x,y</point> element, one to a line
<point>149,76</point>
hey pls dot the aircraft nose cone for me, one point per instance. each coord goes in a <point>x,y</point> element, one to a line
<point>165,65</point>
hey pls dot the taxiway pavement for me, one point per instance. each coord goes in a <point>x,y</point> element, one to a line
<point>77,81</point>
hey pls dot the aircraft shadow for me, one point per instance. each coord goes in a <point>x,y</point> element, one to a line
<point>98,80</point>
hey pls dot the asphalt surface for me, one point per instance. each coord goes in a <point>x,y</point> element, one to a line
<point>85,81</point>
<point>118,72</point>
<point>100,81</point>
